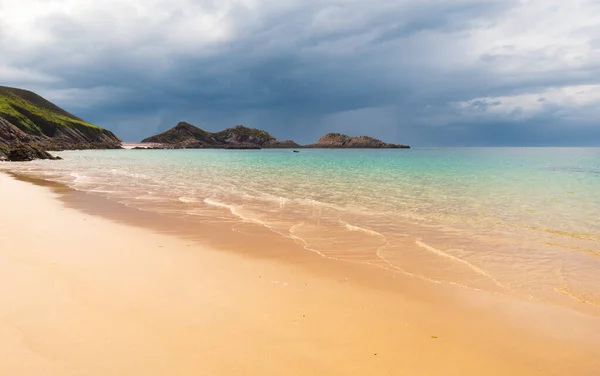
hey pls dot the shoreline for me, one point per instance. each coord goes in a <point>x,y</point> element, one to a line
<point>187,307</point>
<point>227,230</point>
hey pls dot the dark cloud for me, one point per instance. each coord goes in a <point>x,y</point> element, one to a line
<point>421,72</point>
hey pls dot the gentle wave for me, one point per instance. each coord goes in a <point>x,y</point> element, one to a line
<point>441,253</point>
<point>350,227</point>
<point>578,249</point>
<point>236,212</point>
<point>580,297</point>
<point>218,204</point>
<point>567,234</point>
<point>505,212</point>
<point>78,177</point>
<point>188,200</point>
<point>303,242</point>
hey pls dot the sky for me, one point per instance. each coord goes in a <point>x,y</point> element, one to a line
<point>420,72</point>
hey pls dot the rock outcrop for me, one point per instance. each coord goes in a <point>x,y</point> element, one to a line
<point>338,140</point>
<point>187,136</point>
<point>275,144</point>
<point>182,135</point>
<point>16,145</point>
<point>32,125</point>
<point>24,152</point>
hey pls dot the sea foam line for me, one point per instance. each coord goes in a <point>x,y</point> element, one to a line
<point>351,227</point>
<point>457,259</point>
<point>395,269</point>
<point>578,297</point>
<point>77,177</point>
<point>187,199</point>
<point>233,211</point>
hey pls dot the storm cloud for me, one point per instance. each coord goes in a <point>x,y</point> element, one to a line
<point>424,72</point>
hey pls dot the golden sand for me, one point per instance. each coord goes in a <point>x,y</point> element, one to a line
<point>89,294</point>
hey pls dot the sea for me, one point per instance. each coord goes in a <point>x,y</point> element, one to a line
<point>518,221</point>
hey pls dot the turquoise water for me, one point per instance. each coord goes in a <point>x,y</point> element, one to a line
<point>521,221</point>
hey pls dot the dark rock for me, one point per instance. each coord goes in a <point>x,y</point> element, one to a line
<point>182,134</point>
<point>25,152</point>
<point>338,140</point>
<point>240,135</point>
<point>287,144</point>
<point>187,136</point>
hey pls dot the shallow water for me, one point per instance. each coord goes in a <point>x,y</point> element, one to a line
<point>519,221</point>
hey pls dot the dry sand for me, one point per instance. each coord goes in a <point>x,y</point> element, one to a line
<point>81,294</point>
<point>146,145</point>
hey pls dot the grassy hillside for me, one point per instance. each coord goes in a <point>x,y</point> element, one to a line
<point>182,132</point>
<point>241,133</point>
<point>35,115</point>
<point>187,135</point>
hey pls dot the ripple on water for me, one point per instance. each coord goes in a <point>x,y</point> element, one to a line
<point>522,221</point>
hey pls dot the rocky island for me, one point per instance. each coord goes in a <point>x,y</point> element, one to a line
<point>339,141</point>
<point>187,136</point>
<point>30,126</point>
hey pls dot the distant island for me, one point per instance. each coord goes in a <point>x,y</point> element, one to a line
<point>187,136</point>
<point>30,126</point>
<point>338,140</point>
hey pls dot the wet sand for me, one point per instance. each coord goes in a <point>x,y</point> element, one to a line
<point>89,287</point>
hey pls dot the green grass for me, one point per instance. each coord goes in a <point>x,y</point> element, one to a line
<point>33,114</point>
<point>242,131</point>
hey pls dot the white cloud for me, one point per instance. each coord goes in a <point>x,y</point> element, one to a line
<point>83,98</point>
<point>11,75</point>
<point>434,62</point>
<point>528,105</point>
<point>538,36</point>
<point>177,23</point>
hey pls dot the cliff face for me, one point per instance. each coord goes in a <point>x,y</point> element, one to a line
<point>45,125</point>
<point>338,140</point>
<point>185,135</point>
<point>16,145</point>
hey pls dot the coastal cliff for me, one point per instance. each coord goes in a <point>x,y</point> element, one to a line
<point>16,145</point>
<point>187,136</point>
<point>30,125</point>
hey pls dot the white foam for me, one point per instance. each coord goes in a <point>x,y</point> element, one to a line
<point>187,199</point>
<point>218,204</point>
<point>350,227</point>
<point>441,253</point>
<point>235,211</point>
<point>312,202</point>
<point>303,242</point>
<point>282,202</point>
<point>77,176</point>
<point>150,198</point>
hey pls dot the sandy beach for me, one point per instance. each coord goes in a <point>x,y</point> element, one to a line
<point>87,290</point>
<point>133,145</point>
